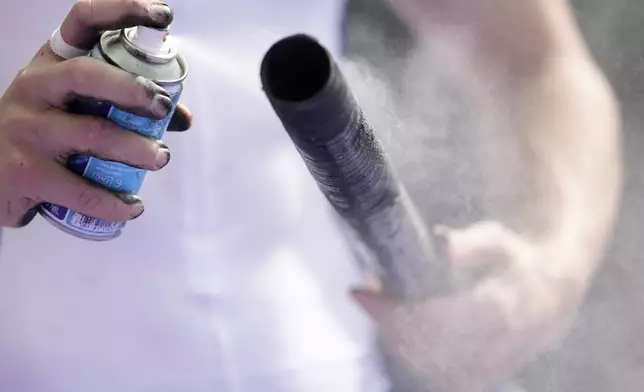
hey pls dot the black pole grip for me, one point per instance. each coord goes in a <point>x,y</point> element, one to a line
<point>311,97</point>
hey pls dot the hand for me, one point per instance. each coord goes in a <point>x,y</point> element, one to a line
<point>493,22</point>
<point>494,39</point>
<point>37,134</point>
<point>478,339</point>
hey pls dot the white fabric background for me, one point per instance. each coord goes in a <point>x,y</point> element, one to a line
<point>234,279</point>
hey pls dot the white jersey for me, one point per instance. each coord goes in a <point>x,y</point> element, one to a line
<point>235,278</point>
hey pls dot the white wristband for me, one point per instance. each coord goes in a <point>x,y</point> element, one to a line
<point>63,49</point>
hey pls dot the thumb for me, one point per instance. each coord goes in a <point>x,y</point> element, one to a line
<point>374,303</point>
<point>483,244</point>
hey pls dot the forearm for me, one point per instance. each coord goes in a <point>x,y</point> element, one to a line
<point>569,119</point>
<point>526,64</point>
<point>566,117</point>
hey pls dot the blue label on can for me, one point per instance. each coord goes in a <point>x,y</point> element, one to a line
<point>112,175</point>
<point>58,212</point>
<point>142,125</point>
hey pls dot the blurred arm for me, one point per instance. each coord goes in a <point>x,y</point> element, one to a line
<point>529,56</point>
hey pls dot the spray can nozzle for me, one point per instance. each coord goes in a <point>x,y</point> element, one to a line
<point>150,39</point>
<point>153,44</point>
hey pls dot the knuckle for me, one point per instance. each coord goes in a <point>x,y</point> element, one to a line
<point>75,73</point>
<point>95,137</point>
<point>95,132</point>
<point>21,75</point>
<point>82,11</point>
<point>21,71</point>
<point>18,124</point>
<point>20,169</point>
<point>21,86</point>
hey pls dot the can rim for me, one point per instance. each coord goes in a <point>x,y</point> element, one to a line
<point>159,57</point>
<point>116,34</point>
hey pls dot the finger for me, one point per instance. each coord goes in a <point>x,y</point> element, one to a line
<point>416,13</point>
<point>28,216</point>
<point>371,281</point>
<point>87,79</point>
<point>89,18</point>
<point>407,10</point>
<point>43,179</point>
<point>63,134</point>
<point>19,211</point>
<point>480,244</point>
<point>181,120</point>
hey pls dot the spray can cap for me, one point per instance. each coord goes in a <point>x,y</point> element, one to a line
<point>151,40</point>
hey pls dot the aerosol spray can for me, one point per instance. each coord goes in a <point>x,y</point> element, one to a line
<point>142,51</point>
<point>312,99</point>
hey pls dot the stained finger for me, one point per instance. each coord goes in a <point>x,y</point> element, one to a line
<point>89,18</point>
<point>88,80</point>
<point>63,134</point>
<point>43,179</point>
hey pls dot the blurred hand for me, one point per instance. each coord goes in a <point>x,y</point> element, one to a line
<point>478,339</point>
<point>494,39</point>
<point>492,22</point>
<point>37,133</point>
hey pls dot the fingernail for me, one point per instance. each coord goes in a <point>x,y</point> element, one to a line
<point>161,106</point>
<point>163,155</point>
<point>134,201</point>
<point>181,120</point>
<point>161,101</point>
<point>161,13</point>
<point>28,217</point>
